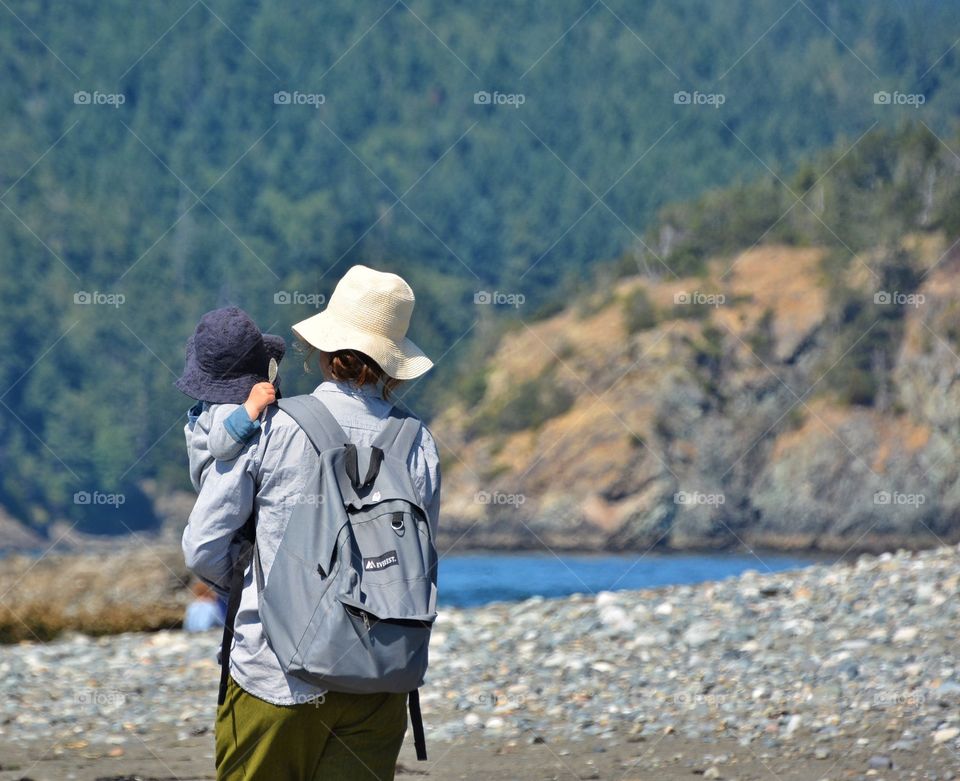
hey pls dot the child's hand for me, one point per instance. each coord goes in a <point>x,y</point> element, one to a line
<point>262,395</point>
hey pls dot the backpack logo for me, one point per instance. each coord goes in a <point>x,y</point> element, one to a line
<point>377,563</point>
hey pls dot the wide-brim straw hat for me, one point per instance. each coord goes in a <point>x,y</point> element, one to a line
<point>369,312</point>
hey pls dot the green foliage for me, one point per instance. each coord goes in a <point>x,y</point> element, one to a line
<point>638,311</point>
<point>867,332</point>
<point>695,310</point>
<point>795,418</point>
<point>526,405</point>
<point>531,404</point>
<point>761,340</point>
<point>891,182</point>
<point>105,199</point>
<point>472,385</point>
<point>708,360</point>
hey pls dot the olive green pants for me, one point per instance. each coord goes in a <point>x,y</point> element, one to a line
<point>353,737</point>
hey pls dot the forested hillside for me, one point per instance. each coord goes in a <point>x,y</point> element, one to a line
<point>161,159</point>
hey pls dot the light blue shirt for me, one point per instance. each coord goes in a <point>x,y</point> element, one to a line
<point>267,477</point>
<point>201,615</point>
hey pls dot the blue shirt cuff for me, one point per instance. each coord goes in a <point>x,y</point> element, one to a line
<point>239,426</point>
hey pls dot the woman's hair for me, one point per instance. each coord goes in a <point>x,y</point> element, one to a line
<point>354,367</point>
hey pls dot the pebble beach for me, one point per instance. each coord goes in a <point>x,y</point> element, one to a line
<point>845,671</point>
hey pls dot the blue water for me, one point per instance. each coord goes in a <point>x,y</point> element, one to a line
<point>478,578</point>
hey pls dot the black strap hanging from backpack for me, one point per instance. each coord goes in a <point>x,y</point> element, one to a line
<point>247,539</point>
<point>416,724</point>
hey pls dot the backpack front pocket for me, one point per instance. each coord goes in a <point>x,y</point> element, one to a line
<point>390,649</point>
<point>394,562</point>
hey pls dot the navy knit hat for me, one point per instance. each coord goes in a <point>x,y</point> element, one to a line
<point>226,356</point>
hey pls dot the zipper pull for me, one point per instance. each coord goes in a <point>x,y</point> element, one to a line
<point>366,621</point>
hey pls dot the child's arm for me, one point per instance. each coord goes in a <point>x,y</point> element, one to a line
<point>223,506</point>
<point>229,437</point>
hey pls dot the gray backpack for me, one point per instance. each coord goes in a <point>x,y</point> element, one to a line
<point>352,592</point>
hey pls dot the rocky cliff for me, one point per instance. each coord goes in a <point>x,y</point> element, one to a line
<point>778,400</point>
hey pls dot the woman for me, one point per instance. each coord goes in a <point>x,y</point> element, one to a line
<point>272,725</point>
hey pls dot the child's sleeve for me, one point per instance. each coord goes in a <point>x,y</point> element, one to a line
<point>223,506</point>
<point>230,432</point>
<point>197,455</point>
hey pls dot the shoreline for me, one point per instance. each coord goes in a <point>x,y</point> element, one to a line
<point>825,672</point>
<point>834,549</point>
<point>145,586</point>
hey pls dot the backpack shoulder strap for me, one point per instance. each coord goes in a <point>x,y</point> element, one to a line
<point>388,434</point>
<point>398,436</point>
<point>316,420</point>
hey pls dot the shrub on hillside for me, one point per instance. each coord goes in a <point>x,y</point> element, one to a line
<point>639,313</point>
